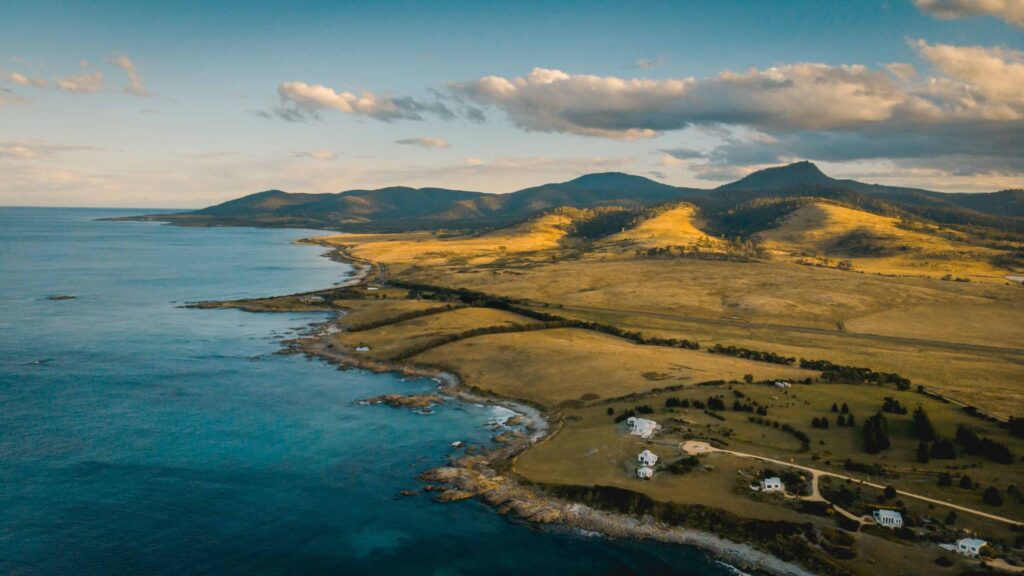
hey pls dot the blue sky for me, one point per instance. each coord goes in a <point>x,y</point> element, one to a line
<point>227,100</point>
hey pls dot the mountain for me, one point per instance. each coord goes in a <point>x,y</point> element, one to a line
<point>743,207</point>
<point>796,174</point>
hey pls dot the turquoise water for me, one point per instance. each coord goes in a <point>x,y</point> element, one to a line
<point>140,437</point>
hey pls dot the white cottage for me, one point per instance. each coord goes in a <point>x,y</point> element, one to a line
<point>970,546</point>
<point>641,427</point>
<point>773,484</point>
<point>647,458</point>
<point>888,518</point>
<point>645,472</point>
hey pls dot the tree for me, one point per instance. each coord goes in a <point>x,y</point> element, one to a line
<point>835,408</point>
<point>951,518</point>
<point>845,409</point>
<point>849,420</point>
<point>966,483</point>
<point>889,493</point>
<point>943,449</point>
<point>945,479</point>
<point>922,452</point>
<point>611,411</point>
<point>876,434</point>
<point>992,497</point>
<point>841,420</point>
<point>748,378</point>
<point>923,425</point>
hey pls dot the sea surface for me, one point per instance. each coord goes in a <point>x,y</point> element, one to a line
<point>141,437</point>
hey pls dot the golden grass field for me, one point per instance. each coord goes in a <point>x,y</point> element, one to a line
<point>965,339</point>
<point>390,340</point>
<point>431,249</point>
<point>887,245</point>
<point>551,367</point>
<point>676,226</point>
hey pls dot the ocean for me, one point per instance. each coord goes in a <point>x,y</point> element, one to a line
<point>141,437</point>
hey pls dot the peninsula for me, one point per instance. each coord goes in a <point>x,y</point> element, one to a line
<point>799,373</point>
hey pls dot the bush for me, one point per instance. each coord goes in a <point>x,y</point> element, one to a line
<point>889,493</point>
<point>966,482</point>
<point>945,479</point>
<point>992,497</point>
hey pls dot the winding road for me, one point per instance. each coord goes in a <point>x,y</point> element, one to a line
<point>696,448</point>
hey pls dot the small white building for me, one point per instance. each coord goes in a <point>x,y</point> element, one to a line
<point>363,348</point>
<point>645,472</point>
<point>970,546</point>
<point>313,299</point>
<point>641,427</point>
<point>782,384</point>
<point>888,518</point>
<point>647,458</point>
<point>773,484</point>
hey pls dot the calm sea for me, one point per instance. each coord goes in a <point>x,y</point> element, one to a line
<point>140,437</point>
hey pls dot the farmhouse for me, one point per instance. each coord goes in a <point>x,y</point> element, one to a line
<point>645,472</point>
<point>773,484</point>
<point>647,458</point>
<point>888,518</point>
<point>970,546</point>
<point>641,427</point>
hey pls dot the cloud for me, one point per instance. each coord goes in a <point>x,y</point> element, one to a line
<point>22,80</point>
<point>81,83</point>
<point>302,102</point>
<point>975,84</point>
<point>325,155</point>
<point>32,150</point>
<point>682,153</point>
<point>965,105</point>
<point>424,142</point>
<point>135,87</point>
<point>1011,11</point>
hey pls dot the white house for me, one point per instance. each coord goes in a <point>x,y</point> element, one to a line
<point>647,458</point>
<point>773,484</point>
<point>645,472</point>
<point>362,348</point>
<point>888,518</point>
<point>314,299</point>
<point>641,427</point>
<point>970,546</point>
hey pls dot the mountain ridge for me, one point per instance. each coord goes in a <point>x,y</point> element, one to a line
<point>401,208</point>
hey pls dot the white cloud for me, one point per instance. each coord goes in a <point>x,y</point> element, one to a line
<point>325,155</point>
<point>424,142</point>
<point>135,87</point>
<point>1011,11</point>
<point>22,80</point>
<point>301,101</point>
<point>85,82</point>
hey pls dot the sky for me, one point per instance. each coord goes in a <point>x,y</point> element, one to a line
<point>186,104</point>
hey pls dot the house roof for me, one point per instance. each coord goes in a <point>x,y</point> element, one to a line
<point>972,542</point>
<point>773,479</point>
<point>648,454</point>
<point>889,514</point>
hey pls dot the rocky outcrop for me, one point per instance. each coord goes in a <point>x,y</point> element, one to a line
<point>412,402</point>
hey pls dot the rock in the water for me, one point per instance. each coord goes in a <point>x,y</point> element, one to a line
<point>414,402</point>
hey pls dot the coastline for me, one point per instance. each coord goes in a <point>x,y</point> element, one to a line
<point>478,475</point>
